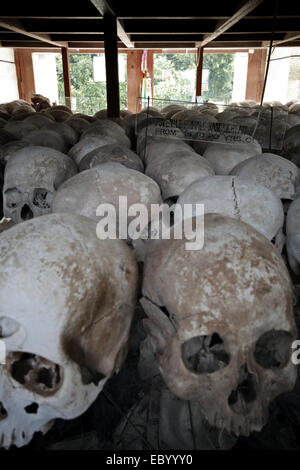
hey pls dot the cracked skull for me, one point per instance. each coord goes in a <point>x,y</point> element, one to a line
<point>32,176</point>
<point>241,199</point>
<point>64,337</point>
<point>221,322</point>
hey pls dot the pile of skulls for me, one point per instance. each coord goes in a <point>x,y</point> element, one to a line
<point>218,323</point>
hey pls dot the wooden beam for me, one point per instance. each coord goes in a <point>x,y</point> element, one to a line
<point>287,38</point>
<point>123,36</point>
<point>238,15</point>
<point>256,74</point>
<point>25,75</point>
<point>104,8</point>
<point>199,71</point>
<point>15,25</point>
<point>67,75</point>
<point>134,79</point>
<point>150,65</point>
<point>111,64</point>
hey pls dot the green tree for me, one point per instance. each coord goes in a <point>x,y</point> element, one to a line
<point>220,79</point>
<point>90,95</point>
<point>174,79</point>
<point>175,76</point>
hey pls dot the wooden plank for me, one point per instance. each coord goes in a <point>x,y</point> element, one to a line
<point>123,36</point>
<point>25,75</point>
<point>111,64</point>
<point>134,79</point>
<point>287,38</point>
<point>104,8</point>
<point>15,25</point>
<point>67,75</point>
<point>239,14</point>
<point>199,71</point>
<point>256,74</point>
<point>150,70</point>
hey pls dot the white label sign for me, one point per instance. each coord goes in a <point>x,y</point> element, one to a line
<point>100,71</point>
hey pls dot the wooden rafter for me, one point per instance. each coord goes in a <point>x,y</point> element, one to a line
<point>104,8</point>
<point>17,27</point>
<point>249,6</point>
<point>287,38</point>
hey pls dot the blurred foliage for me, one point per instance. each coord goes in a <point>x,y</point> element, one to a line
<point>220,81</point>
<point>175,76</point>
<point>174,79</point>
<point>90,95</point>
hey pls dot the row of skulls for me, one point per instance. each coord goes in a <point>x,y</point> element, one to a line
<point>220,319</point>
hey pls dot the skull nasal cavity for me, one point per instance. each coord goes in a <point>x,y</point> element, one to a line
<point>32,409</point>
<point>26,213</point>
<point>242,398</point>
<point>205,354</point>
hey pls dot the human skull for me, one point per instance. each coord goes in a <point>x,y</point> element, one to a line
<point>153,147</point>
<point>87,144</point>
<point>221,322</point>
<point>78,124</point>
<point>67,301</point>
<point>19,129</point>
<point>7,150</point>
<point>175,172</point>
<point>224,156</point>
<point>291,144</point>
<point>46,137</point>
<point>105,184</point>
<point>111,153</point>
<point>275,172</point>
<point>32,176</point>
<point>293,235</point>
<point>106,128</point>
<point>241,199</point>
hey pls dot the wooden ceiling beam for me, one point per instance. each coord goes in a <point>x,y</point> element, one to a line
<point>105,9</point>
<point>17,27</point>
<point>249,6</point>
<point>287,38</point>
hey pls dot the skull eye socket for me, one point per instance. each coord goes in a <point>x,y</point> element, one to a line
<point>205,354</point>
<point>42,198</point>
<point>35,373</point>
<point>273,349</point>
<point>13,197</point>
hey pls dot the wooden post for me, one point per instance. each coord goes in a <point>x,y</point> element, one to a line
<point>150,70</point>
<point>67,76</point>
<point>255,74</point>
<point>25,75</point>
<point>199,71</point>
<point>111,64</point>
<point>134,79</point>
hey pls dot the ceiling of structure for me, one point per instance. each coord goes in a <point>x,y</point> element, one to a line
<point>155,24</point>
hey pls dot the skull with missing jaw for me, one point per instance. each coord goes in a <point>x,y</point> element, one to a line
<point>221,322</point>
